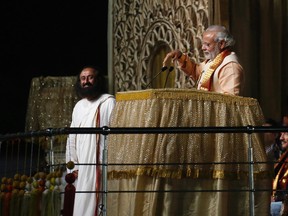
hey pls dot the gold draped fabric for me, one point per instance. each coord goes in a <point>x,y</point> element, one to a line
<point>51,101</point>
<point>50,105</point>
<point>185,108</point>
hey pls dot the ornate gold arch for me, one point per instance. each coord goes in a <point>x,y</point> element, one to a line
<point>144,31</point>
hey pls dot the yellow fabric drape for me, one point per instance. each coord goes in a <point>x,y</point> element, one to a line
<point>185,108</point>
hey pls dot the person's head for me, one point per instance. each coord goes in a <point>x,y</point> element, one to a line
<point>270,137</point>
<point>284,140</point>
<point>90,83</point>
<point>285,120</point>
<point>215,39</point>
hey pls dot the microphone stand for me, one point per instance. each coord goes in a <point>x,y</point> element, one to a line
<point>170,70</point>
<point>162,70</point>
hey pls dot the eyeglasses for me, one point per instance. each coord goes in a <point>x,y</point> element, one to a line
<point>209,45</point>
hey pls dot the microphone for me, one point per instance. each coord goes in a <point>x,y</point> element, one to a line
<point>164,68</point>
<point>170,70</point>
<point>167,60</point>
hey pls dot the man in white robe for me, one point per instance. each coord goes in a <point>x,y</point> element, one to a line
<point>93,110</point>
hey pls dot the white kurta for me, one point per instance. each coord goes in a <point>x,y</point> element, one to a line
<point>81,148</point>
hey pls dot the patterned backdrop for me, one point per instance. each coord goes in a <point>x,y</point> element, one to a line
<point>142,28</point>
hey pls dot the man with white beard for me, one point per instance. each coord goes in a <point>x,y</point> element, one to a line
<point>221,71</point>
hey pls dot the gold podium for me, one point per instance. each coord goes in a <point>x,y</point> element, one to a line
<point>185,174</point>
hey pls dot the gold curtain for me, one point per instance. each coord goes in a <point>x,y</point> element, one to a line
<point>50,104</point>
<point>260,28</point>
<point>185,108</point>
<point>219,12</point>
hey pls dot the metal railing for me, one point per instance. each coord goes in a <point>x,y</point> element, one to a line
<point>53,132</point>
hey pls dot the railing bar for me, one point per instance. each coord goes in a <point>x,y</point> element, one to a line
<point>144,130</point>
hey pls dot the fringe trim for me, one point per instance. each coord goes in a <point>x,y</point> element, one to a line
<point>187,173</point>
<point>184,94</point>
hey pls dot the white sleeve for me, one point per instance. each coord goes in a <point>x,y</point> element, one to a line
<point>71,147</point>
<point>106,110</point>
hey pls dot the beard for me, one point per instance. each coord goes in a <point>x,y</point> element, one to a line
<point>89,91</point>
<point>212,54</point>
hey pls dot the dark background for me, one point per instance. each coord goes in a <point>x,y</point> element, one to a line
<point>45,39</point>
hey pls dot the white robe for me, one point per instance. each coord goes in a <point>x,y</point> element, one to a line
<point>81,148</point>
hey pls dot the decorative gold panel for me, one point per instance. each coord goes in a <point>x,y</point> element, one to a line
<point>143,29</point>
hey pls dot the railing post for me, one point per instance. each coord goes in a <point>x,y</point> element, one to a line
<point>251,176</point>
<point>104,177</point>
